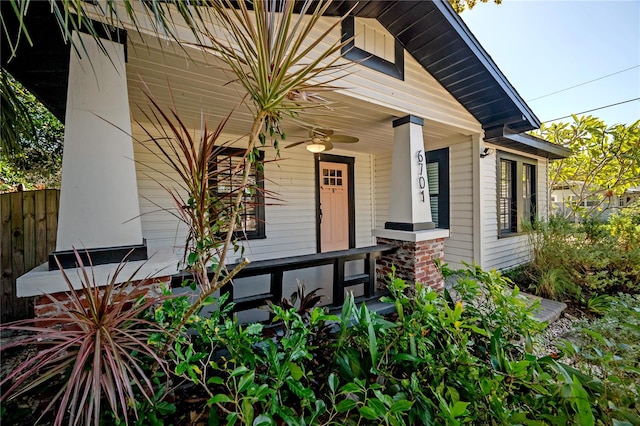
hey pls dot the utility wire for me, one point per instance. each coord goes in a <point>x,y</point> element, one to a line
<point>595,109</point>
<point>582,84</point>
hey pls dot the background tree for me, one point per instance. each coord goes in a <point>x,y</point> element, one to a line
<point>605,160</point>
<point>32,154</point>
<point>462,5</point>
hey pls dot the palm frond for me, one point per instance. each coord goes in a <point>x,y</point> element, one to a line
<point>268,48</point>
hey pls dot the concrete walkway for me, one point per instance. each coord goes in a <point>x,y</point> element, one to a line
<point>549,311</point>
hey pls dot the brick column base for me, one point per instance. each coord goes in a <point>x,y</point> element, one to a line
<point>414,262</point>
<point>45,308</point>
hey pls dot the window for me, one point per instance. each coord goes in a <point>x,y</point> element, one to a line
<point>507,210</point>
<point>516,193</point>
<point>438,178</point>
<point>528,193</point>
<point>226,181</point>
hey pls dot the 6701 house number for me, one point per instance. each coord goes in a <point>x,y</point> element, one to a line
<point>422,182</point>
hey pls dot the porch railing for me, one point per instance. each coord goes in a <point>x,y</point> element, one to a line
<point>276,268</point>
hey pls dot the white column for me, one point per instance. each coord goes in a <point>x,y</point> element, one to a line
<point>409,207</point>
<point>99,205</point>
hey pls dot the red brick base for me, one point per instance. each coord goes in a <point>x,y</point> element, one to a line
<point>44,307</point>
<point>414,262</point>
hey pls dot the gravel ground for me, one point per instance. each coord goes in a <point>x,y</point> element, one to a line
<point>557,330</point>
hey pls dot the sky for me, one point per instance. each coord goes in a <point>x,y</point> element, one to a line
<point>544,46</point>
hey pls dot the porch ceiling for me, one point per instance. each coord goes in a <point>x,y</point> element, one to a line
<point>199,85</point>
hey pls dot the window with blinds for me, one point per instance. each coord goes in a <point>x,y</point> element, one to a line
<point>438,181</point>
<point>228,168</point>
<point>516,193</point>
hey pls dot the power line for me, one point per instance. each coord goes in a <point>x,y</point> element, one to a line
<point>582,84</point>
<point>595,109</point>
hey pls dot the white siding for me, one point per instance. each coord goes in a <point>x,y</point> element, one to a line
<point>459,246</point>
<point>382,176</point>
<point>290,223</point>
<point>505,252</point>
<point>419,93</point>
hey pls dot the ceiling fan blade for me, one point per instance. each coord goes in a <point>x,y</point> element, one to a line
<point>344,139</point>
<point>296,143</point>
<point>320,133</point>
<point>328,146</point>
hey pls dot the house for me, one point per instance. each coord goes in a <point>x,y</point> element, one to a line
<point>443,167</point>
<point>572,199</point>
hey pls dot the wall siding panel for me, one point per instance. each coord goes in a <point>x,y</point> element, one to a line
<point>419,93</point>
<point>458,247</point>
<point>382,186</point>
<point>290,218</point>
<point>506,252</point>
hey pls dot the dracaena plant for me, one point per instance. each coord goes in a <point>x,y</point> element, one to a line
<point>267,49</point>
<point>93,350</point>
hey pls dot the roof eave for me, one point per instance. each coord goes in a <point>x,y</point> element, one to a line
<point>526,143</point>
<point>463,30</point>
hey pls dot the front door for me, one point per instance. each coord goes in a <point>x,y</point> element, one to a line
<point>334,187</point>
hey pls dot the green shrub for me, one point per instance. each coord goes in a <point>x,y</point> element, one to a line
<point>464,356</point>
<point>459,357</point>
<point>608,349</point>
<point>578,261</point>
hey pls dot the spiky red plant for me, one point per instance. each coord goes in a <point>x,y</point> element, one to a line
<point>94,347</point>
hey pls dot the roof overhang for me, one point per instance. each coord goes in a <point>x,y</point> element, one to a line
<point>434,34</point>
<point>431,31</point>
<point>526,143</point>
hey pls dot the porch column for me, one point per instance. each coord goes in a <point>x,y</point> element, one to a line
<point>99,207</point>
<point>410,226</point>
<point>409,207</point>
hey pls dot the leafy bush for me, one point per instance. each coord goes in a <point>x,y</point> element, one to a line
<point>578,261</point>
<point>464,356</point>
<point>608,349</point>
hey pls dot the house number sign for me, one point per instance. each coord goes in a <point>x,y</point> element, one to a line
<point>422,182</point>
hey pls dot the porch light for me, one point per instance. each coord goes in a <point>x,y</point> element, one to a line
<point>316,147</point>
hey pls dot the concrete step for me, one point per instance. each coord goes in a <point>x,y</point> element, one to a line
<point>549,310</point>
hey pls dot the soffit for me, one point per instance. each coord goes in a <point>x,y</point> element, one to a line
<point>201,89</point>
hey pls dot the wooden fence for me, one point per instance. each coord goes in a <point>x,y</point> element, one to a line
<point>28,226</point>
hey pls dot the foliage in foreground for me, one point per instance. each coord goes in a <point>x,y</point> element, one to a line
<point>461,357</point>
<point>582,261</point>
<point>93,350</point>
<point>608,348</point>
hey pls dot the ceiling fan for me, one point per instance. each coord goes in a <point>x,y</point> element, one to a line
<point>323,140</point>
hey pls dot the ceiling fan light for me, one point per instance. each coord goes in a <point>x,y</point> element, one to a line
<point>316,147</point>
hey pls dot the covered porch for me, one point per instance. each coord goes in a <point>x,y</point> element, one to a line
<point>113,197</point>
